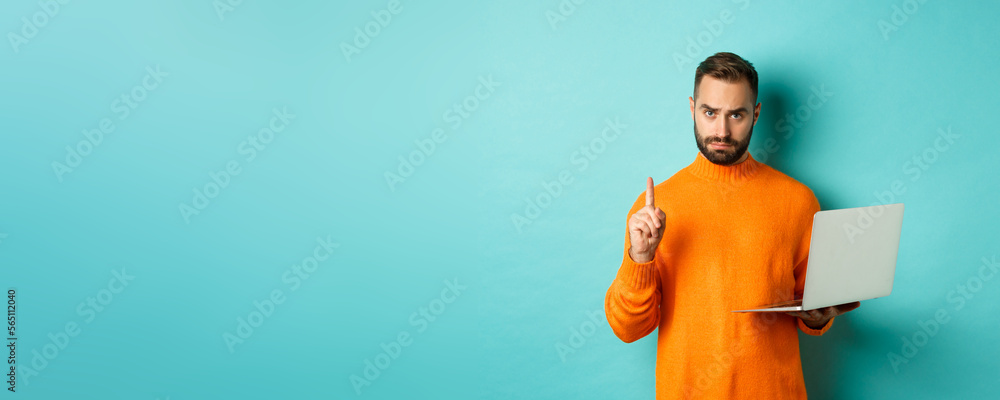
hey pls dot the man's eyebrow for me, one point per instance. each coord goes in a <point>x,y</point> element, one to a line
<point>713,109</point>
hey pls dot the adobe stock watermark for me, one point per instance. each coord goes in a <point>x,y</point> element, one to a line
<point>703,39</point>
<point>564,10</point>
<point>363,37</point>
<point>788,125</point>
<point>581,158</point>
<point>123,106</point>
<point>293,277</point>
<point>419,319</point>
<point>914,168</point>
<point>88,309</point>
<point>898,17</point>
<point>31,26</point>
<point>11,339</point>
<point>454,117</point>
<point>249,149</point>
<point>579,334</point>
<point>225,6</point>
<point>760,324</point>
<point>791,122</point>
<point>927,329</point>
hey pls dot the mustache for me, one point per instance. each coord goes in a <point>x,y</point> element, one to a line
<point>723,141</point>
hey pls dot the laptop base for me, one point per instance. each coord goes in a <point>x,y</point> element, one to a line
<point>784,306</point>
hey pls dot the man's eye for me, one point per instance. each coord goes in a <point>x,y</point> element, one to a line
<point>737,116</point>
<point>710,113</point>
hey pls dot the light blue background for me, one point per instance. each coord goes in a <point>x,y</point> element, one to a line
<point>528,290</point>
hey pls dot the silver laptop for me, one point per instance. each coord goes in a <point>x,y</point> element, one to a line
<point>852,257</point>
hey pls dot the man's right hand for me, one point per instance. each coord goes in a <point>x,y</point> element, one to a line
<point>646,228</point>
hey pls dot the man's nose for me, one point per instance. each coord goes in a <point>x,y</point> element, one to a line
<point>722,128</point>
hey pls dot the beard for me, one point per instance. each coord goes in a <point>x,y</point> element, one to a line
<point>722,157</point>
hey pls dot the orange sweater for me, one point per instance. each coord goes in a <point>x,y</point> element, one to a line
<point>736,237</point>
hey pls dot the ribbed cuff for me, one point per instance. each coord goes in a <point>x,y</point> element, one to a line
<point>815,332</point>
<point>636,275</point>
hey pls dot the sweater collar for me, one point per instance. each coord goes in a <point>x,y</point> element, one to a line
<point>708,170</point>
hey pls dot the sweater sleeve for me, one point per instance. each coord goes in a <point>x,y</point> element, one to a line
<point>802,262</point>
<point>632,303</point>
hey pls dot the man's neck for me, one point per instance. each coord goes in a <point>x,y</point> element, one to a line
<point>742,159</point>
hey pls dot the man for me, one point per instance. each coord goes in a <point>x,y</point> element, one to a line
<point>725,233</point>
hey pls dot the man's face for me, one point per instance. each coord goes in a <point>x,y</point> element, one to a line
<point>724,116</point>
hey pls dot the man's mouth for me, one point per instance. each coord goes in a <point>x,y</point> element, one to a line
<point>720,145</point>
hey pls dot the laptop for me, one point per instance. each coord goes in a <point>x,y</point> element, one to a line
<point>852,257</point>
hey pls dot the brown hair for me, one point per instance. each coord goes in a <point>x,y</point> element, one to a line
<point>727,67</point>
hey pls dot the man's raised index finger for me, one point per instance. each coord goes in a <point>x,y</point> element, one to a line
<point>649,191</point>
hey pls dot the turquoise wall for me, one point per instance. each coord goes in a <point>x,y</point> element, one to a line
<point>395,199</point>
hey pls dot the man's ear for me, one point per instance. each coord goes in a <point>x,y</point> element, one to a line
<point>691,101</point>
<point>756,114</point>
